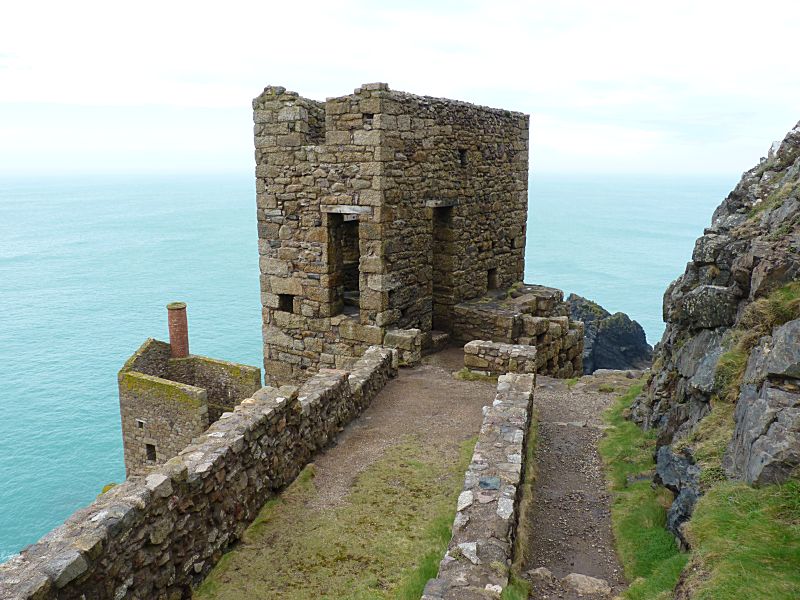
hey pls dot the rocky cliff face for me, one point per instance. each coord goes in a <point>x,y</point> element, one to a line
<point>610,341</point>
<point>724,393</point>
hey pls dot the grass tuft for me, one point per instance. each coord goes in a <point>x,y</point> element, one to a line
<point>466,374</point>
<point>747,542</point>
<point>517,589</point>
<point>648,552</point>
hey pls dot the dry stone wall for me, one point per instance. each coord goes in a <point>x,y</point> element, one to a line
<point>498,358</point>
<point>528,315</point>
<point>427,196</point>
<point>156,536</point>
<point>480,552</point>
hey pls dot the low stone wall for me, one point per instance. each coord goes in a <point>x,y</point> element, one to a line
<point>408,342</point>
<point>529,315</point>
<point>479,554</point>
<point>498,358</point>
<point>157,536</point>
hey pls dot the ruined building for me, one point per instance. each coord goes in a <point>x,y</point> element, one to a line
<point>388,224</point>
<point>380,214</point>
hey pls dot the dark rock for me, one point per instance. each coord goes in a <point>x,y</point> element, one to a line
<point>766,442</point>
<point>609,341</point>
<point>489,483</point>
<point>783,359</point>
<point>678,473</point>
<point>707,307</point>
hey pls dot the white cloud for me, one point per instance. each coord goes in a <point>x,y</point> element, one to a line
<point>632,85</point>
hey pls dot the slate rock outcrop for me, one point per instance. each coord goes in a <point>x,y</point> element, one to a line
<point>733,336</point>
<point>610,341</point>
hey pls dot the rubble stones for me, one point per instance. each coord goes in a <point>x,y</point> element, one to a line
<point>528,315</point>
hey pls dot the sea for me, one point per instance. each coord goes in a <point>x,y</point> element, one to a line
<point>88,263</point>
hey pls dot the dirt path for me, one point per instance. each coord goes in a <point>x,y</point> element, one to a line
<point>570,520</point>
<point>361,522</point>
<point>426,402</point>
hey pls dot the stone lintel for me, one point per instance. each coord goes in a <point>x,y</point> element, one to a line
<point>346,209</point>
<point>441,202</point>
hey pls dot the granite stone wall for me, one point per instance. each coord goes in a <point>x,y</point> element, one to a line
<point>435,191</point>
<point>480,552</point>
<point>499,358</point>
<point>156,536</point>
<point>165,402</point>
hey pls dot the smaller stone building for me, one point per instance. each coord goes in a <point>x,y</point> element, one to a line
<point>165,402</point>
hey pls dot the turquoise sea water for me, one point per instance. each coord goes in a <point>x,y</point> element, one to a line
<point>87,265</point>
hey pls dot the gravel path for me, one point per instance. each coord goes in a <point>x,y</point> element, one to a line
<point>571,521</point>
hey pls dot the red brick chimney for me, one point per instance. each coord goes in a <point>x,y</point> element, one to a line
<point>178,330</point>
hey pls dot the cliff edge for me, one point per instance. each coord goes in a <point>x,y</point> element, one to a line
<point>724,393</point>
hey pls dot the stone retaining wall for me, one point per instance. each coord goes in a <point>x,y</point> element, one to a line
<point>157,536</point>
<point>531,315</point>
<point>485,524</point>
<point>495,357</point>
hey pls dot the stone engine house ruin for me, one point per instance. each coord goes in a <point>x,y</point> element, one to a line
<point>379,214</point>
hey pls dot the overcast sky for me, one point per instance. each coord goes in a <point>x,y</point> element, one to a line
<point>671,87</point>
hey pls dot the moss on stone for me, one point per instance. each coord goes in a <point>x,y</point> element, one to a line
<point>467,374</point>
<point>141,385</point>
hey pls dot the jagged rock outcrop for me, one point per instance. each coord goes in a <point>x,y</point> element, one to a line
<point>733,335</point>
<point>609,341</point>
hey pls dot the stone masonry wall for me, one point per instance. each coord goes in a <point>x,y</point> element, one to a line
<point>498,358</point>
<point>433,184</point>
<point>528,315</point>
<point>480,552</point>
<point>165,402</point>
<point>226,383</point>
<point>157,536</point>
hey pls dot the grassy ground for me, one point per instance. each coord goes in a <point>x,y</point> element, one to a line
<point>647,551</point>
<point>746,543</point>
<point>384,541</point>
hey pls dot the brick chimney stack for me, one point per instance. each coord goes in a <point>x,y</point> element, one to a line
<point>178,330</point>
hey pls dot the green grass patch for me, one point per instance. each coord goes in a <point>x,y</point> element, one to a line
<point>571,381</point>
<point>606,388</point>
<point>467,374</point>
<point>779,307</point>
<point>729,373</point>
<point>384,540</point>
<point>648,552</point>
<point>517,589</point>
<point>747,542</point>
